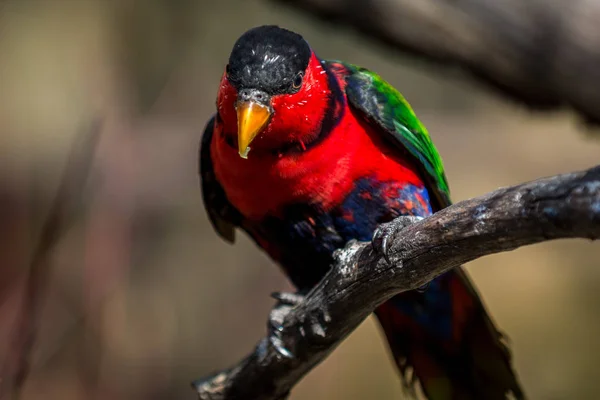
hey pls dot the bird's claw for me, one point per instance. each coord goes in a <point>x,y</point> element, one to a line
<point>423,289</point>
<point>287,298</point>
<point>279,346</point>
<point>387,230</point>
<point>286,301</point>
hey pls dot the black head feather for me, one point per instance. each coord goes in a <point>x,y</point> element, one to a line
<point>270,59</point>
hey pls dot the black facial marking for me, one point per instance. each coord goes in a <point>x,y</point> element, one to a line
<point>270,59</point>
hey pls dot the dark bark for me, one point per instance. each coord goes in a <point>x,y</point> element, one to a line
<point>563,206</point>
<point>539,53</point>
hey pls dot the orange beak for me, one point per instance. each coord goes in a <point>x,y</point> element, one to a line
<point>252,118</point>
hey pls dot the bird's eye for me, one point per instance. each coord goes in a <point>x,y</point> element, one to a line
<point>297,80</point>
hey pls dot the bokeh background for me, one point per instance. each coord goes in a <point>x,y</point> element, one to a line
<point>141,296</point>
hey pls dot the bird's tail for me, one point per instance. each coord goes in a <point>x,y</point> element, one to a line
<point>443,338</point>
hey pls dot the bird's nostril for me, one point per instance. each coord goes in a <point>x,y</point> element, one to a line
<point>249,94</point>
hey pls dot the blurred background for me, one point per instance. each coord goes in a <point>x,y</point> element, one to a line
<point>138,296</point>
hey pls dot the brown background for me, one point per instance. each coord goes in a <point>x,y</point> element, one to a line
<point>144,296</point>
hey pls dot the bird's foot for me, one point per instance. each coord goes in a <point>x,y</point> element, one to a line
<point>287,298</point>
<point>386,231</point>
<point>285,302</point>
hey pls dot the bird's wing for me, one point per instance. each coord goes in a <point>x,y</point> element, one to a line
<point>223,216</point>
<point>380,103</point>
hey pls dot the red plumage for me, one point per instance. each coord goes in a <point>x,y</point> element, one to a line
<point>320,173</point>
<point>266,181</point>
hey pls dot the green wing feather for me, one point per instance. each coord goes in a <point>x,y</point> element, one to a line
<point>381,103</point>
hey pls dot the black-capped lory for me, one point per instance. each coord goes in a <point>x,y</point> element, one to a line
<point>304,155</point>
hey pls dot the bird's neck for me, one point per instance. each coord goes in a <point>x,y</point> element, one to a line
<point>321,118</point>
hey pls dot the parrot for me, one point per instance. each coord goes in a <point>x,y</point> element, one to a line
<point>304,155</point>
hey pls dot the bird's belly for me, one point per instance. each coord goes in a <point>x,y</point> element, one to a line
<point>303,239</point>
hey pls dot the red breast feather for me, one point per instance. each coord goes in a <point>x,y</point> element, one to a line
<point>267,181</point>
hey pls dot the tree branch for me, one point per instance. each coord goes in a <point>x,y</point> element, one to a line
<point>540,54</point>
<point>563,206</point>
